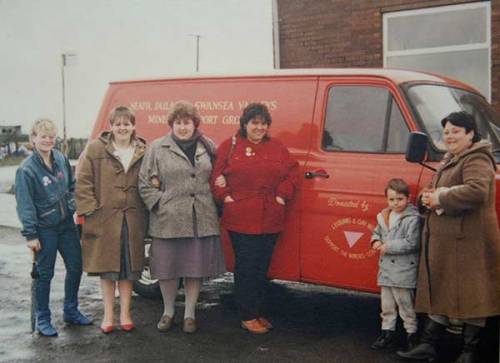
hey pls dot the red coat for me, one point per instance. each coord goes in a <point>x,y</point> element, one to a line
<point>255,175</point>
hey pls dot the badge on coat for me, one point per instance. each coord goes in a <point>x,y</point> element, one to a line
<point>46,181</point>
<point>249,151</point>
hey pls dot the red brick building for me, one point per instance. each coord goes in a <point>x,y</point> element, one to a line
<point>457,38</point>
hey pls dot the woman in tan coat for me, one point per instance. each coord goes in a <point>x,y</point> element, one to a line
<point>114,228</point>
<point>459,274</point>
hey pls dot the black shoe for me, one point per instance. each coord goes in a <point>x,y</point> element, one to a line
<point>411,341</point>
<point>385,340</point>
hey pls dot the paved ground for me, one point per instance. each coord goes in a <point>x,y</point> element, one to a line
<point>313,324</point>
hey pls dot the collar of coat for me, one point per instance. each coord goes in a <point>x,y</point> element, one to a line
<point>168,142</point>
<point>140,147</point>
<point>478,147</point>
<point>383,216</point>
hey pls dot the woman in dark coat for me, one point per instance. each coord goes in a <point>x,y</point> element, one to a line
<point>115,221</point>
<point>259,179</point>
<point>459,274</point>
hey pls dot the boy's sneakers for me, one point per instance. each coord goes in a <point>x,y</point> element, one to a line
<point>386,340</point>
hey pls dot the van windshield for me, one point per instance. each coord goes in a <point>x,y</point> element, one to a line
<point>434,102</point>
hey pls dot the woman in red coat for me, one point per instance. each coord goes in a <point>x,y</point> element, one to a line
<point>259,179</point>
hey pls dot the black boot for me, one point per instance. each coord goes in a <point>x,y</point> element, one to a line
<point>385,340</point>
<point>426,349</point>
<point>471,340</point>
<point>411,341</point>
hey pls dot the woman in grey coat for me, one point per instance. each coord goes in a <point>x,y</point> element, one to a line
<point>183,222</point>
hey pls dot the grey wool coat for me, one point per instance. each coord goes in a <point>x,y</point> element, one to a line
<point>459,274</point>
<point>105,194</point>
<point>398,267</point>
<point>183,187</point>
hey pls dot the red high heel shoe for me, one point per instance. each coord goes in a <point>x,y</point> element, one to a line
<point>127,327</point>
<point>106,329</point>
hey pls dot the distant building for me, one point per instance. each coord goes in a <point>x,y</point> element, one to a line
<point>456,38</point>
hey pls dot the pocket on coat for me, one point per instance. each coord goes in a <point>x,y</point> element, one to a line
<point>275,212</point>
<point>93,225</point>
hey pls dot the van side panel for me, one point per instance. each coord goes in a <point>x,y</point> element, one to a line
<point>220,102</point>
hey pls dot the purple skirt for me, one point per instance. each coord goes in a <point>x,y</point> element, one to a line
<point>174,258</point>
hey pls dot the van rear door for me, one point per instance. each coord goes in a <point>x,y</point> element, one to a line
<point>359,134</point>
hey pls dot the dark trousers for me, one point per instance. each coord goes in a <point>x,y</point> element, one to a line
<point>63,238</point>
<point>252,254</point>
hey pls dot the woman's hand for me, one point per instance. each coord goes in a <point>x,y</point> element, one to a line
<point>228,199</point>
<point>220,181</point>
<point>376,245</point>
<point>280,200</point>
<point>34,245</point>
<point>430,199</point>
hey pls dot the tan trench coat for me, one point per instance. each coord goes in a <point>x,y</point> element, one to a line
<point>104,195</point>
<point>459,272</point>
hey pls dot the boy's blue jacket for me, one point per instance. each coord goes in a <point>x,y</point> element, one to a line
<point>44,197</point>
<point>398,267</point>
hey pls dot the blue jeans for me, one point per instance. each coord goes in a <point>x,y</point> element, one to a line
<point>63,238</point>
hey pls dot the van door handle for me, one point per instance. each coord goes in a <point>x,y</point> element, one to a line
<point>317,173</point>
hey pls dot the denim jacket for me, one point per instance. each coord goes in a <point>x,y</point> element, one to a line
<point>44,197</point>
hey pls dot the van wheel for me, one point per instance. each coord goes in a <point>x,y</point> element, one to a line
<point>146,286</point>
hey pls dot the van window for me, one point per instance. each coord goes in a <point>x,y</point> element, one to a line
<point>361,118</point>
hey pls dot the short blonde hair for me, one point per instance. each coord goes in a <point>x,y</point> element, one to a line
<point>44,125</point>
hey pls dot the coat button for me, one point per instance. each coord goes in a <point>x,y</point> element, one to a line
<point>193,175</point>
<point>192,194</point>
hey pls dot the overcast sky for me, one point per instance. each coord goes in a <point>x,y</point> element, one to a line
<point>118,40</point>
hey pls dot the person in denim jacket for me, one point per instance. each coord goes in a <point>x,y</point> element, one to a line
<point>45,206</point>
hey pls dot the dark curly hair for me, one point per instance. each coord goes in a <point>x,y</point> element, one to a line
<point>251,111</point>
<point>465,120</point>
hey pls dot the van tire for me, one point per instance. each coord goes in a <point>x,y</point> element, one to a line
<point>149,291</point>
<point>146,286</point>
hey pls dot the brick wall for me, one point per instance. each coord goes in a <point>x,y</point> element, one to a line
<point>348,33</point>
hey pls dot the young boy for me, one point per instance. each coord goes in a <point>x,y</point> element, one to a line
<point>397,237</point>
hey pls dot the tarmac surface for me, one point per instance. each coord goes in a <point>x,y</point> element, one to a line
<point>312,323</point>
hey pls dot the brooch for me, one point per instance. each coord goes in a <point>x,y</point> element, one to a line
<point>249,151</point>
<point>46,181</point>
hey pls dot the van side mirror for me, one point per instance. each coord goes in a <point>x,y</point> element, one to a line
<point>416,148</point>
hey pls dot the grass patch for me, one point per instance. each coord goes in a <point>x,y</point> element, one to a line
<point>10,160</point>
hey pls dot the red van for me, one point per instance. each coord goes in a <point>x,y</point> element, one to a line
<point>348,129</point>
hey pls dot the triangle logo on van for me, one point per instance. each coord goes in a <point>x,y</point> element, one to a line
<point>352,237</point>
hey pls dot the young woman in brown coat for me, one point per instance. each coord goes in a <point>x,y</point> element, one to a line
<point>114,228</point>
<point>459,274</point>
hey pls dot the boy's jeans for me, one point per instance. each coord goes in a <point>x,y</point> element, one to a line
<point>63,238</point>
